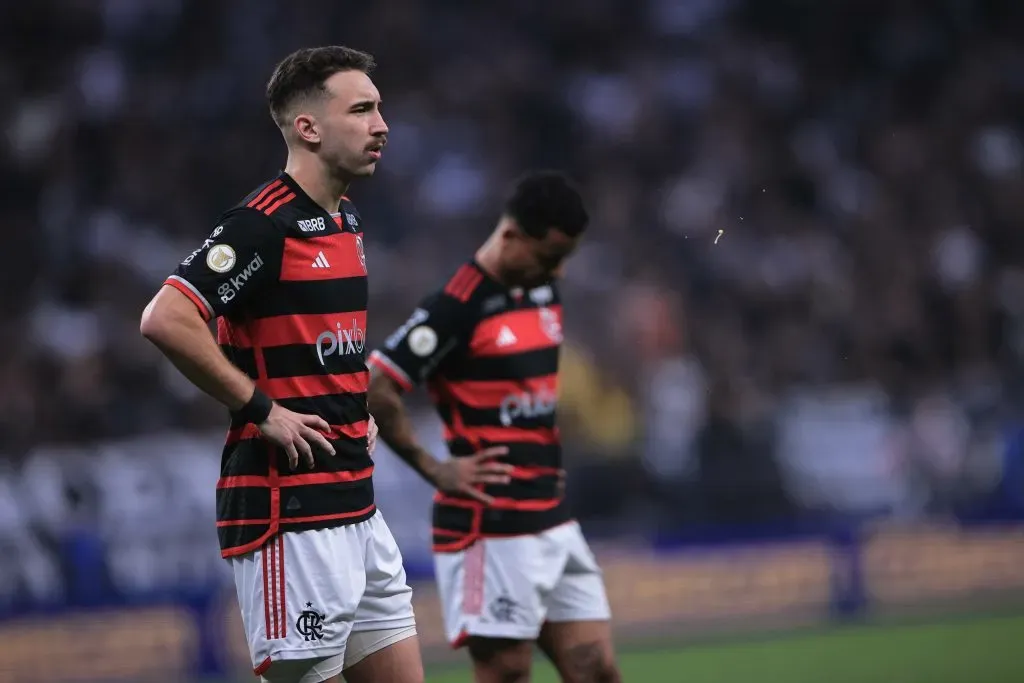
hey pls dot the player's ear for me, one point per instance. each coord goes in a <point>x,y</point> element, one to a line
<point>307,128</point>
<point>510,231</point>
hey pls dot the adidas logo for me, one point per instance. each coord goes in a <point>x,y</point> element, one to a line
<point>321,261</point>
<point>506,337</point>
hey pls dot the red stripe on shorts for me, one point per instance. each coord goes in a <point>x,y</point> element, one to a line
<point>284,603</point>
<point>275,624</point>
<point>473,579</point>
<point>266,594</point>
<point>273,589</point>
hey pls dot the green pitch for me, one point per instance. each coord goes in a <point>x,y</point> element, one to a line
<point>984,650</point>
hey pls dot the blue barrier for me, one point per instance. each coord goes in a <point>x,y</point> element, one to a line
<point>68,586</point>
<point>832,572</point>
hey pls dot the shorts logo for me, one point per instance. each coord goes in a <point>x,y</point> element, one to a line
<point>504,609</point>
<point>221,258</point>
<point>310,623</point>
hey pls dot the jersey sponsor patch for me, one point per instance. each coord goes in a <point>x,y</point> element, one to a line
<point>360,252</point>
<point>422,341</point>
<point>317,224</point>
<point>233,285</point>
<point>221,258</point>
<point>542,296</point>
<point>344,340</point>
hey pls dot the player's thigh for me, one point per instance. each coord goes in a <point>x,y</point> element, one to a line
<point>494,589</point>
<point>298,596</point>
<point>500,660</point>
<point>384,619</point>
<point>391,655</point>
<point>582,651</point>
<point>579,594</point>
<point>386,602</point>
<point>577,636</point>
<point>323,670</point>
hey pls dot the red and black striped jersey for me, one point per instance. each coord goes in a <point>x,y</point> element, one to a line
<point>489,358</point>
<point>287,284</point>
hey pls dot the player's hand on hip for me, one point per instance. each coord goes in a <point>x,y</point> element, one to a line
<point>462,475</point>
<point>371,435</point>
<point>296,434</point>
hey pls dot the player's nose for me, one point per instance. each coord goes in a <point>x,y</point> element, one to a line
<point>379,126</point>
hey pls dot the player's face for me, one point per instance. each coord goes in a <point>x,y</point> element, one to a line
<point>533,262</point>
<point>353,130</point>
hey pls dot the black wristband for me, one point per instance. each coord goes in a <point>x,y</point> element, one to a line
<point>256,410</point>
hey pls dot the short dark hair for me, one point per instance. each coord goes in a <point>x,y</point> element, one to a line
<point>303,73</point>
<point>547,200</point>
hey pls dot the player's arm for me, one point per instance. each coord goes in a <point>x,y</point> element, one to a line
<point>408,357</point>
<point>225,272</point>
<point>172,322</point>
<point>394,426</point>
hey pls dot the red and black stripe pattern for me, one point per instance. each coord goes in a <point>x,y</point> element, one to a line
<point>296,324</point>
<point>498,385</point>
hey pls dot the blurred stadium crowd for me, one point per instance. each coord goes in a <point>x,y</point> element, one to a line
<point>852,343</point>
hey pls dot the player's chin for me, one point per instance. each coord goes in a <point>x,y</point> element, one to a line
<point>536,280</point>
<point>358,167</point>
<point>366,170</point>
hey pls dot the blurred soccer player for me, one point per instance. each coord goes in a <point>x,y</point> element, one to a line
<point>512,566</point>
<point>319,576</point>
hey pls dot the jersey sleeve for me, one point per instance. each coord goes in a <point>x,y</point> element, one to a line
<point>436,329</point>
<point>231,265</point>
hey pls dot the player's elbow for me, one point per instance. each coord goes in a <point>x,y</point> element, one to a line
<point>152,325</point>
<point>165,314</point>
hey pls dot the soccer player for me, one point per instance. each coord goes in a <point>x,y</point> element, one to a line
<point>512,566</point>
<point>319,576</point>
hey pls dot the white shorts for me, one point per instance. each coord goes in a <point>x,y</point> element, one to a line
<point>508,587</point>
<point>305,593</point>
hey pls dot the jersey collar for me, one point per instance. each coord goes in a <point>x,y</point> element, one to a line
<point>306,201</point>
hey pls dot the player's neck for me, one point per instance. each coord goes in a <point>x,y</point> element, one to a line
<point>322,187</point>
<point>488,257</point>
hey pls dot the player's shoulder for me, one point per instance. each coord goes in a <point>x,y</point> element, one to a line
<point>268,197</point>
<point>280,199</point>
<point>465,284</point>
<point>242,221</point>
<point>471,294</point>
<point>257,211</point>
